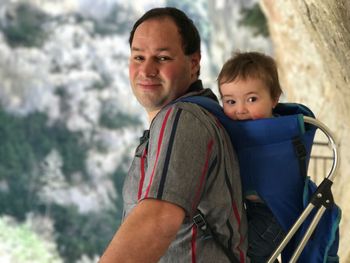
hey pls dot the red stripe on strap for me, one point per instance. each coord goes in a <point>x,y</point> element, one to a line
<point>235,211</point>
<point>238,219</point>
<point>142,172</point>
<point>193,243</point>
<point>160,140</point>
<point>204,172</point>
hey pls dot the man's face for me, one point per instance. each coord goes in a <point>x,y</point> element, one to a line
<point>159,70</point>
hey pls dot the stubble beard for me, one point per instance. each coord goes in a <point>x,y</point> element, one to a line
<point>150,100</point>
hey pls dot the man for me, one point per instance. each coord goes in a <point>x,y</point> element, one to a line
<point>184,163</point>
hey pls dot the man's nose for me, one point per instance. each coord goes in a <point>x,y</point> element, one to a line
<point>149,68</point>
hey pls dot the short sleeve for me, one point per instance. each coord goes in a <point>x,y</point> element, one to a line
<point>181,152</point>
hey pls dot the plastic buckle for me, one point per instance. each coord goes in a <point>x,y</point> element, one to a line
<point>199,221</point>
<point>300,149</point>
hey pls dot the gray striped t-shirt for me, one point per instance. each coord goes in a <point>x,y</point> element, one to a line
<point>188,160</point>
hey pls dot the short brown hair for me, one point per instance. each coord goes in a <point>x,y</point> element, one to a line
<point>191,40</point>
<point>246,65</point>
<point>188,31</point>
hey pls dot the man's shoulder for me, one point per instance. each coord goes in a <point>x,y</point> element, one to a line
<point>192,101</point>
<point>187,114</point>
<point>186,106</point>
<point>184,110</point>
<point>179,111</point>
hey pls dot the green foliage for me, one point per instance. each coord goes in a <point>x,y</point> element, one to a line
<point>255,19</point>
<point>24,26</point>
<point>201,21</point>
<point>18,160</point>
<point>25,143</point>
<point>112,118</point>
<point>118,120</point>
<point>78,234</point>
<point>118,181</point>
<point>18,243</point>
<point>87,234</point>
<point>118,22</point>
<point>71,147</point>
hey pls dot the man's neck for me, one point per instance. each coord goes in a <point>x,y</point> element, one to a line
<point>151,115</point>
<point>195,86</point>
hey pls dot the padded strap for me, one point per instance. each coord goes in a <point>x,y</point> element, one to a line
<point>201,223</point>
<point>301,154</point>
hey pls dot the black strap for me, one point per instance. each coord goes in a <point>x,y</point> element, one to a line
<point>201,224</point>
<point>145,136</point>
<point>301,154</point>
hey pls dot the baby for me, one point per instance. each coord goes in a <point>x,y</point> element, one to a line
<point>249,88</point>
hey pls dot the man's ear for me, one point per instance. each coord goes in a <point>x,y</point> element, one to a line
<point>195,63</point>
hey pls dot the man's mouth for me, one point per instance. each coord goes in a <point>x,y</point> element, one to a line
<point>148,85</point>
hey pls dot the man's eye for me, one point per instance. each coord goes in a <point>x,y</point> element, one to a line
<point>252,99</point>
<point>163,58</point>
<point>138,58</point>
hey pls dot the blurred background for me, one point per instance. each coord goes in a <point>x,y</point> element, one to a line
<point>69,123</point>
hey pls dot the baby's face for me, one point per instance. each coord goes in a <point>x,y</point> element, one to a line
<point>248,99</point>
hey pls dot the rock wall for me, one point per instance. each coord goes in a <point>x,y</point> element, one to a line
<point>312,47</point>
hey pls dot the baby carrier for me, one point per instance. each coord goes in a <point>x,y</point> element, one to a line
<point>273,154</point>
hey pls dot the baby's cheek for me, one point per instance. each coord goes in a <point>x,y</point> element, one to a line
<point>229,113</point>
<point>257,116</point>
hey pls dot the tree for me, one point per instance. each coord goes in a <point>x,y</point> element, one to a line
<point>23,26</point>
<point>20,243</point>
<point>312,47</point>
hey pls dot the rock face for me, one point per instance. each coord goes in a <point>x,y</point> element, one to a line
<point>312,48</point>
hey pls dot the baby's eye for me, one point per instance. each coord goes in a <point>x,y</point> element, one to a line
<point>231,102</point>
<point>252,99</point>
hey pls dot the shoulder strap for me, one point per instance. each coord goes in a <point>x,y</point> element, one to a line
<point>201,223</point>
<point>199,219</point>
<point>301,154</point>
<point>207,103</point>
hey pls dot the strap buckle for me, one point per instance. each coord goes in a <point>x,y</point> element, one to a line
<point>199,221</point>
<point>300,148</point>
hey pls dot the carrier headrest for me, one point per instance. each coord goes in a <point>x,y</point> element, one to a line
<point>284,109</point>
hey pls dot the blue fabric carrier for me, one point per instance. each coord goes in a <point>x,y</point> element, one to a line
<point>268,152</point>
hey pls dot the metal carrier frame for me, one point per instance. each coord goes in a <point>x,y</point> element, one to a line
<point>321,199</point>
